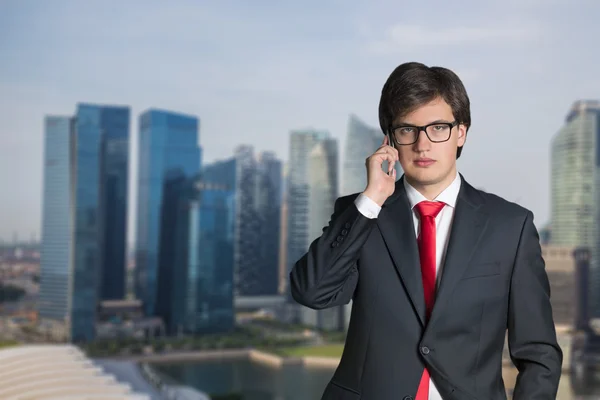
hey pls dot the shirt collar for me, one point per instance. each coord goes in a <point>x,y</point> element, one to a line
<point>448,195</point>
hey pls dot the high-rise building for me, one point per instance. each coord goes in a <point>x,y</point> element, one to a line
<point>114,174</point>
<point>57,220</point>
<point>209,293</point>
<point>283,276</point>
<point>575,160</point>
<point>361,141</point>
<point>195,275</point>
<point>581,320</point>
<point>302,143</point>
<point>268,204</point>
<point>323,191</point>
<point>247,270</point>
<point>575,188</point>
<point>257,184</point>
<point>168,150</point>
<point>323,185</point>
<point>85,226</point>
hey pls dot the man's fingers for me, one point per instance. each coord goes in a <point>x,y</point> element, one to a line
<point>388,150</point>
<point>381,157</point>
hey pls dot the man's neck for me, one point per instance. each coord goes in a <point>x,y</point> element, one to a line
<point>431,191</point>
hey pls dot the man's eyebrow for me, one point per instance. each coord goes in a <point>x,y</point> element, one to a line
<point>437,121</point>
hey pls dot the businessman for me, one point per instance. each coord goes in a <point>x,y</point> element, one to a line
<point>438,271</point>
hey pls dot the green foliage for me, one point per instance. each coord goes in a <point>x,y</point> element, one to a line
<point>239,338</point>
<point>8,343</point>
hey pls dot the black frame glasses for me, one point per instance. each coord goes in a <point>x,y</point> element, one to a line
<point>394,130</point>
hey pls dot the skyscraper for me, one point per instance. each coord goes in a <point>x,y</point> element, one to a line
<point>574,162</point>
<point>575,188</point>
<point>268,204</point>
<point>283,276</point>
<point>168,149</point>
<point>195,275</point>
<point>89,156</point>
<point>57,221</point>
<point>209,292</point>
<point>361,141</point>
<point>257,186</point>
<point>323,191</point>
<point>247,254</point>
<point>302,143</point>
<point>113,200</point>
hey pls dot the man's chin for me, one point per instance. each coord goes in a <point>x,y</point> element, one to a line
<point>423,177</point>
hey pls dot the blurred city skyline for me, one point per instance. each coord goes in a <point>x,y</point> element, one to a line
<point>252,73</point>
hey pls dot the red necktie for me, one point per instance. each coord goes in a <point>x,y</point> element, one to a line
<point>427,210</point>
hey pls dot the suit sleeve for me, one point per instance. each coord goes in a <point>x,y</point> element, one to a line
<point>326,276</point>
<point>531,333</point>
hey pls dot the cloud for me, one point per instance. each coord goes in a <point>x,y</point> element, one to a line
<point>401,37</point>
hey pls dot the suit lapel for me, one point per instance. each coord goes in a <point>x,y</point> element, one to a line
<point>468,225</point>
<point>396,225</point>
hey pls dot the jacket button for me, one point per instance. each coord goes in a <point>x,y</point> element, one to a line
<point>334,244</point>
<point>339,239</point>
<point>425,350</point>
<point>407,398</point>
<point>347,225</point>
<point>344,231</point>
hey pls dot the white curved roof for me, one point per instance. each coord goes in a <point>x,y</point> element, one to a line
<point>53,372</point>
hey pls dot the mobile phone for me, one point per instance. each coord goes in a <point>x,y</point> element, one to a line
<point>389,135</point>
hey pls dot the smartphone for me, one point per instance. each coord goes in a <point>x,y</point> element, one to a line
<point>389,135</point>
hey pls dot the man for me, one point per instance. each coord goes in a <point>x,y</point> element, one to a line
<point>437,270</point>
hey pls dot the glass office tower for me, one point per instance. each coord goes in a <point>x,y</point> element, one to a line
<point>257,185</point>
<point>195,273</point>
<point>57,220</point>
<point>168,149</point>
<point>85,213</point>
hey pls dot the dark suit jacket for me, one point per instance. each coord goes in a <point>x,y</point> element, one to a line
<point>493,279</point>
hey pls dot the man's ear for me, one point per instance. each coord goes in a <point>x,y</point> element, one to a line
<point>462,135</point>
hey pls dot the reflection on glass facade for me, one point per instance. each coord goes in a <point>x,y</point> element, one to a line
<point>100,193</point>
<point>86,231</point>
<point>113,200</point>
<point>56,220</point>
<point>168,147</point>
<point>85,208</point>
<point>209,292</point>
<point>268,203</point>
<point>257,186</point>
<point>176,242</point>
<point>195,275</point>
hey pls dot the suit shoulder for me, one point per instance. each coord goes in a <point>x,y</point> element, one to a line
<point>504,207</point>
<point>344,201</point>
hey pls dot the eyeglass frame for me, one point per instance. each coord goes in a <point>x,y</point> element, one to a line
<point>423,128</point>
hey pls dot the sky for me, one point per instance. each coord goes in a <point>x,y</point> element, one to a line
<point>253,71</point>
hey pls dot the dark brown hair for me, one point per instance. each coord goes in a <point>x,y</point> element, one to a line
<point>412,85</point>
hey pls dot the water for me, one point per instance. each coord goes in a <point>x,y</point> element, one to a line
<point>291,382</point>
<point>255,381</point>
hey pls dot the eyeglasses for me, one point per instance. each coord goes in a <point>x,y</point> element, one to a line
<point>436,132</point>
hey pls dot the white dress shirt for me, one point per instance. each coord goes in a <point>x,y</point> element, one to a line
<point>443,222</point>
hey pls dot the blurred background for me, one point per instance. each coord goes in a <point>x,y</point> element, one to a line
<point>164,164</point>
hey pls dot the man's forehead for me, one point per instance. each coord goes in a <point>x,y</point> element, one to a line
<point>422,120</point>
<point>434,111</point>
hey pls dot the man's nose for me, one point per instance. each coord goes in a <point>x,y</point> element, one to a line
<point>423,142</point>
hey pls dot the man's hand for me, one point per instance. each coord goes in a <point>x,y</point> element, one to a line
<point>380,185</point>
